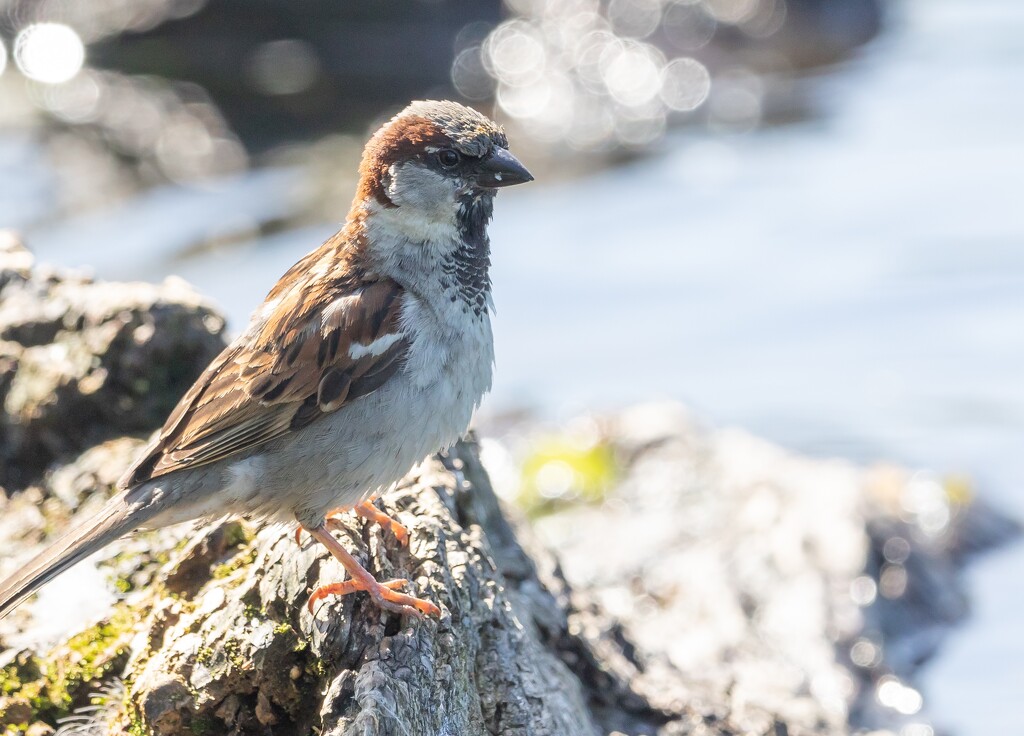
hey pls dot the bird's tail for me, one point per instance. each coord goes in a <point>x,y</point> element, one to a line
<point>116,518</point>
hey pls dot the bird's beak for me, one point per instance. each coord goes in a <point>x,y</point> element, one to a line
<point>502,169</point>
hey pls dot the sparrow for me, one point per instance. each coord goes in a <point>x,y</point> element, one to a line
<point>370,353</point>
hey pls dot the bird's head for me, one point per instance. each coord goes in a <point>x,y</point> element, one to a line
<point>437,163</point>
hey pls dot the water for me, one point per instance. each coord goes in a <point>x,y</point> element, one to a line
<point>851,286</point>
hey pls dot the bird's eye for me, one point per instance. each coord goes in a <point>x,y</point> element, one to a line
<point>448,158</point>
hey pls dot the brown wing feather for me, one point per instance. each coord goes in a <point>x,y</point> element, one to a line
<point>283,374</point>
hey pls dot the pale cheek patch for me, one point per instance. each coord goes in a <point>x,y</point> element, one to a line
<point>420,187</point>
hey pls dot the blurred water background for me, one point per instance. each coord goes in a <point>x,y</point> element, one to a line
<point>766,211</point>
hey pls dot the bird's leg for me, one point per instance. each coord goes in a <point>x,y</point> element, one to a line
<point>385,594</point>
<point>332,520</point>
<point>368,511</point>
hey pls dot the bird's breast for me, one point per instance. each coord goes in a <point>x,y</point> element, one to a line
<point>451,356</point>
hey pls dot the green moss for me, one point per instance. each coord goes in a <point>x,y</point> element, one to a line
<point>23,679</point>
<point>203,725</point>
<point>232,648</point>
<point>251,611</point>
<point>54,685</point>
<point>236,534</point>
<point>93,655</point>
<point>236,563</point>
<point>162,557</point>
<point>316,667</point>
<point>563,470</point>
<point>135,725</point>
<point>123,585</point>
<point>24,669</point>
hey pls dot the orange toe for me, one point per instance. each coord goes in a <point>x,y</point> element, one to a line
<point>386,595</point>
<point>368,511</point>
<point>402,603</point>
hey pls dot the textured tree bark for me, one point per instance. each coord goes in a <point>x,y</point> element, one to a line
<point>219,638</point>
<point>234,649</point>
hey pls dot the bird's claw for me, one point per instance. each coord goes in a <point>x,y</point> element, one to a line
<point>385,595</point>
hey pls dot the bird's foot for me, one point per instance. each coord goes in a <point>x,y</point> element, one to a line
<point>368,511</point>
<point>385,595</point>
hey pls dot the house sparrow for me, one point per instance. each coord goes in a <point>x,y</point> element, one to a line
<point>370,353</point>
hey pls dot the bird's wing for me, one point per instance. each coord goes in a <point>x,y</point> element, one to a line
<point>315,351</point>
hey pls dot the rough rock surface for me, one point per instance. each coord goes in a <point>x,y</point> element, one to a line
<point>723,586</point>
<point>81,362</point>
<point>786,591</point>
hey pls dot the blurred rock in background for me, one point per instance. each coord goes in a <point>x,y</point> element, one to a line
<point>81,363</point>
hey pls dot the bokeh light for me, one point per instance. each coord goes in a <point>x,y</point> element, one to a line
<point>767,20</point>
<point>863,591</point>
<point>51,53</point>
<point>636,18</point>
<point>896,550</point>
<point>865,653</point>
<point>174,131</point>
<point>892,581</point>
<point>687,25</point>
<point>469,75</point>
<point>3,56</point>
<point>926,502</point>
<point>77,101</point>
<point>594,74</point>
<point>732,11</point>
<point>95,20</point>
<point>894,694</point>
<point>632,73</point>
<point>735,104</point>
<point>685,84</point>
<point>515,51</point>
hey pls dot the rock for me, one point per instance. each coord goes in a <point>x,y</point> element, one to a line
<point>82,362</point>
<point>247,653</point>
<point>803,588</point>
<point>715,584</point>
